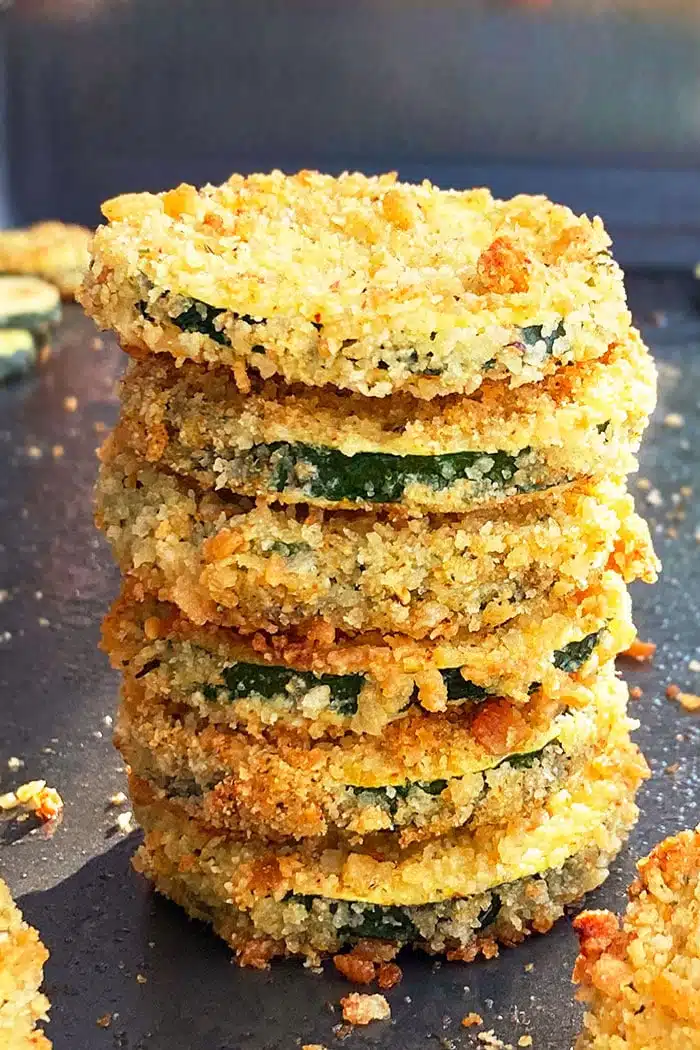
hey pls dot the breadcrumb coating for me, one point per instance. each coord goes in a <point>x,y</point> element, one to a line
<point>585,421</point>
<point>640,975</point>
<point>457,895</point>
<point>56,251</point>
<point>425,775</point>
<point>154,643</point>
<point>22,958</point>
<point>461,863</point>
<point>269,568</point>
<point>359,282</point>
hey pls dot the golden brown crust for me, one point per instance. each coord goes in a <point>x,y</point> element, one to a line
<point>639,975</point>
<point>269,569</point>
<point>22,958</point>
<point>362,283</point>
<point>457,767</point>
<point>153,641</point>
<point>586,420</point>
<point>461,863</point>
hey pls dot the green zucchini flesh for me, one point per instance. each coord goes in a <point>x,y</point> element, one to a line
<point>28,302</point>
<point>243,680</point>
<point>250,680</point>
<point>378,477</point>
<point>389,922</point>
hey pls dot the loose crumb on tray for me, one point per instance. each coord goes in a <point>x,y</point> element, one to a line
<point>642,651</point>
<point>45,802</point>
<point>472,1019</point>
<point>362,1009</point>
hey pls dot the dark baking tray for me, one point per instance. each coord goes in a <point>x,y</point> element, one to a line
<point>102,924</point>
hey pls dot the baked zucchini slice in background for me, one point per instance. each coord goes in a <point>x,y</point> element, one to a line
<point>18,352</point>
<point>28,302</point>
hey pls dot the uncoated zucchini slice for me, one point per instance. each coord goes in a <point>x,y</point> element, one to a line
<point>28,302</point>
<point>17,352</point>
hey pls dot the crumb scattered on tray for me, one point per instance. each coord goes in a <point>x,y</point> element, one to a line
<point>362,1009</point>
<point>641,651</point>
<point>104,1021</point>
<point>125,821</point>
<point>34,796</point>
<point>70,403</point>
<point>491,1040</point>
<point>525,1040</point>
<point>636,693</point>
<point>472,1019</point>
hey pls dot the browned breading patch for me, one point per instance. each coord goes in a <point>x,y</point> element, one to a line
<point>153,642</point>
<point>293,787</point>
<point>638,974</point>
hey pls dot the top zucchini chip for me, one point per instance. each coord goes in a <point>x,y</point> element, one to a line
<point>365,284</point>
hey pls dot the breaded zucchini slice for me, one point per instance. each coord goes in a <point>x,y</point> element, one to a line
<point>28,302</point>
<point>458,895</point>
<point>273,568</point>
<point>365,284</point>
<point>426,774</point>
<point>331,449</point>
<point>322,683</point>
<point>56,251</point>
<point>22,958</point>
<point>638,975</point>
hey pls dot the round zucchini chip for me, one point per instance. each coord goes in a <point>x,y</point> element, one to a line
<point>427,774</point>
<point>458,895</point>
<point>364,284</point>
<point>28,302</point>
<point>226,560</point>
<point>336,450</point>
<point>322,684</point>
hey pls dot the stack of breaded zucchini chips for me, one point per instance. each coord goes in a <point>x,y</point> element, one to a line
<point>367,491</point>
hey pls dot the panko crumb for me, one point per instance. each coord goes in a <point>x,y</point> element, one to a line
<point>491,1040</point>
<point>641,651</point>
<point>368,962</point>
<point>525,1040</point>
<point>689,701</point>
<point>34,796</point>
<point>472,1019</point>
<point>363,1009</point>
<point>313,1046</point>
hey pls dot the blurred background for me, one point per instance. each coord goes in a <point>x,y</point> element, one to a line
<point>594,102</point>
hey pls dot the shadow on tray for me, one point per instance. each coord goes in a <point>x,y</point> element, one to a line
<point>128,970</point>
